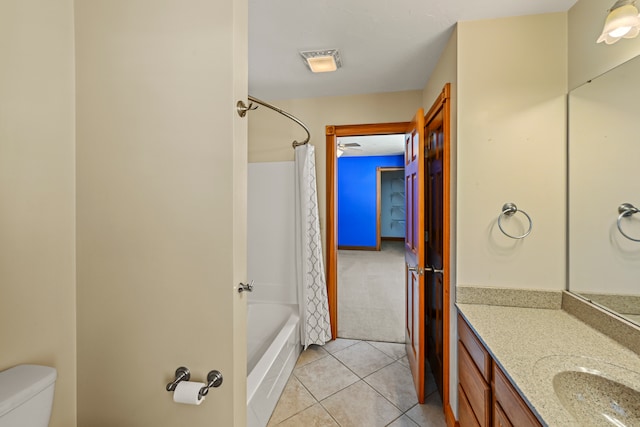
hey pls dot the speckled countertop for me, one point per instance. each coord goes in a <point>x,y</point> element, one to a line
<point>532,345</point>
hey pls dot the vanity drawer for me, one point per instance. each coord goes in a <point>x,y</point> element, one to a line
<point>475,388</point>
<point>466,417</point>
<point>510,406</point>
<point>476,350</point>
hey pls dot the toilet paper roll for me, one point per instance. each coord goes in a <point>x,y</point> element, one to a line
<point>187,392</point>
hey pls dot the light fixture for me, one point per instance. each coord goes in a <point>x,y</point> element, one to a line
<point>623,21</point>
<point>322,61</point>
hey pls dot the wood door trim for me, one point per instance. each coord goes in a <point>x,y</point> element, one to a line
<point>332,133</point>
<point>443,102</point>
<point>439,103</point>
<point>379,171</point>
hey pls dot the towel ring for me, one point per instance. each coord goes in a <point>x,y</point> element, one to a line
<point>510,209</point>
<point>626,210</point>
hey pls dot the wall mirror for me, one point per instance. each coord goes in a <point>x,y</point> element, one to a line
<point>604,173</point>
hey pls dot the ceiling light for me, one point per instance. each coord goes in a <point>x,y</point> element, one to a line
<point>622,21</point>
<point>322,61</point>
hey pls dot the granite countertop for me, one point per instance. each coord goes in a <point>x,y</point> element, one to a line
<point>531,345</point>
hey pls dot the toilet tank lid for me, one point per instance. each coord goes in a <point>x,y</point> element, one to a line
<point>21,383</point>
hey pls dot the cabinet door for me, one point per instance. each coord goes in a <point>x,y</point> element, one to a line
<point>465,414</point>
<point>475,348</point>
<point>514,409</point>
<point>499,417</point>
<point>475,387</point>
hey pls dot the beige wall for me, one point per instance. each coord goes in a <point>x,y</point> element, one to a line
<point>161,188</point>
<point>239,195</point>
<point>446,71</point>
<point>512,81</point>
<point>588,59</point>
<point>270,134</point>
<point>37,210</point>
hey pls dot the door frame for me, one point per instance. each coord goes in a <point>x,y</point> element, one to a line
<point>379,171</point>
<point>332,134</point>
<point>443,103</point>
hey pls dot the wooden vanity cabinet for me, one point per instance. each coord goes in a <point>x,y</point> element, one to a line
<point>500,419</point>
<point>474,378</point>
<point>466,416</point>
<point>509,408</point>
<point>486,397</point>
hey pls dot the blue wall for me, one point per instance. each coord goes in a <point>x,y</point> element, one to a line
<point>357,198</point>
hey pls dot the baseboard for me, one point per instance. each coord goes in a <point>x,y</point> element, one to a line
<point>394,239</point>
<point>358,248</point>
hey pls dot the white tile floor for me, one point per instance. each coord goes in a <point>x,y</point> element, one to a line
<point>355,383</point>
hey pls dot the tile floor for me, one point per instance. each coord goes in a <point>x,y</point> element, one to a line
<point>352,383</point>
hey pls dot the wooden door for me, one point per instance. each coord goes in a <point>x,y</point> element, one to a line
<point>434,256</point>
<point>415,251</point>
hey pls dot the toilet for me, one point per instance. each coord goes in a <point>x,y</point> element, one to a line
<point>26,395</point>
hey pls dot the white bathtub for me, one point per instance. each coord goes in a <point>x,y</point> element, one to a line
<point>273,346</point>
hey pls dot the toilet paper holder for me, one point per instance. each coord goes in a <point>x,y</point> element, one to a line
<point>214,379</point>
<point>182,374</point>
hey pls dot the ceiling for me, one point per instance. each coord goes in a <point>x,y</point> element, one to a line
<point>372,145</point>
<point>385,46</point>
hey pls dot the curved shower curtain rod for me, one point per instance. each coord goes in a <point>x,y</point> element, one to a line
<point>284,113</point>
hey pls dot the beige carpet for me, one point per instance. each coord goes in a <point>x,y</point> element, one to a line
<point>371,293</point>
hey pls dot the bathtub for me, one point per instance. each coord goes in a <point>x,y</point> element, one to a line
<point>273,346</point>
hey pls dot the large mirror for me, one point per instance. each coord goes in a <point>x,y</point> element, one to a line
<point>604,173</point>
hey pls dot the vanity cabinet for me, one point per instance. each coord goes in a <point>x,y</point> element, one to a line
<point>486,397</point>
<point>474,377</point>
<point>508,407</point>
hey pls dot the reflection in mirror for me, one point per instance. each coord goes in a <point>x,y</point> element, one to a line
<point>604,160</point>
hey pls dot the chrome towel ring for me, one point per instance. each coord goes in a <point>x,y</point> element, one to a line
<point>510,209</point>
<point>626,210</point>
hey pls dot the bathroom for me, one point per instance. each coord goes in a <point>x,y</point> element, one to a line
<point>118,265</point>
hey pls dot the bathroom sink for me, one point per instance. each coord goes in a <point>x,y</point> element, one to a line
<point>595,400</point>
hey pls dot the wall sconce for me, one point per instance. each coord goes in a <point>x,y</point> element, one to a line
<point>622,21</point>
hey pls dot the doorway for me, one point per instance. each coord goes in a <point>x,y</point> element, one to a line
<point>438,267</point>
<point>390,204</point>
<point>332,135</point>
<point>370,216</point>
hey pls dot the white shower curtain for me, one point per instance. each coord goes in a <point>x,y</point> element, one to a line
<point>312,289</point>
